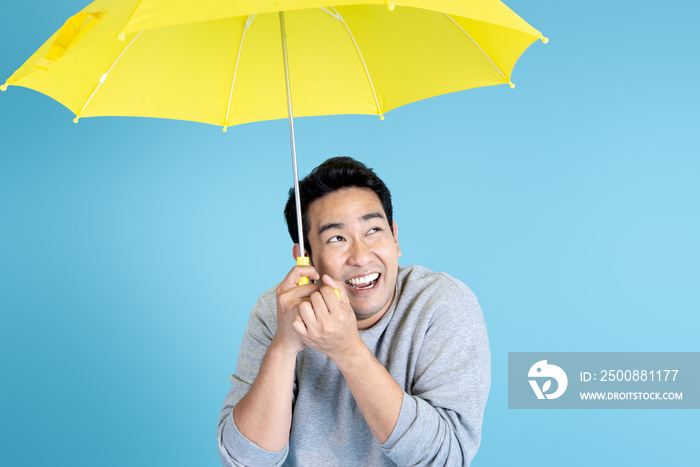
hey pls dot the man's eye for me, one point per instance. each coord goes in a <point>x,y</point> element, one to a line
<point>336,238</point>
<point>376,229</point>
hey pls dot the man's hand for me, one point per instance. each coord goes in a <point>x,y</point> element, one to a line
<point>264,415</point>
<point>290,297</point>
<point>328,324</point>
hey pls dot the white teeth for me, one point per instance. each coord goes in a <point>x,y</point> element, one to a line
<point>364,280</point>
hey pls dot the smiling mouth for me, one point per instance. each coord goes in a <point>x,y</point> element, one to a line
<point>363,282</point>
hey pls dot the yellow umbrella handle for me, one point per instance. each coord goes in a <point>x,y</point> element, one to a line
<point>303,261</point>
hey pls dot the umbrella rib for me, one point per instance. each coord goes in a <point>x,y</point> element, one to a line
<point>235,69</point>
<point>478,47</point>
<point>369,78</point>
<point>122,34</point>
<point>334,15</point>
<point>104,77</point>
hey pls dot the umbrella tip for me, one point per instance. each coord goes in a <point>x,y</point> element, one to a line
<point>390,6</point>
<point>545,39</point>
<point>381,117</point>
<point>121,36</point>
<point>511,85</point>
<point>75,120</point>
<point>224,129</point>
<point>3,87</point>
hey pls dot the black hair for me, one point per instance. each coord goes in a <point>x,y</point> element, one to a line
<point>334,174</point>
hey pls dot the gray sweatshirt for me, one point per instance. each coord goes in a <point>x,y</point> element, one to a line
<point>433,342</point>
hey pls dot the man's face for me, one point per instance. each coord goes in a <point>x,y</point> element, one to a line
<point>352,241</point>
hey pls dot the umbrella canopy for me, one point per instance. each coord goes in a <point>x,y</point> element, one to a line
<point>227,63</point>
<point>221,62</point>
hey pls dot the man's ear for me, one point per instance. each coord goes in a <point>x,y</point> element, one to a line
<point>395,228</point>
<point>295,252</point>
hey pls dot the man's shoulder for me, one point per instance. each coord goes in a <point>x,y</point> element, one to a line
<point>420,280</point>
<point>431,290</point>
<point>269,297</point>
<point>266,305</point>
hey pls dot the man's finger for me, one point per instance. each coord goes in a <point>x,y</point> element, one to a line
<point>335,285</point>
<point>299,327</point>
<point>330,298</point>
<point>298,272</point>
<point>319,304</point>
<point>289,284</point>
<point>307,314</point>
<point>300,291</point>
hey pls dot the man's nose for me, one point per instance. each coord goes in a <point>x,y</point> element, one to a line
<point>360,254</point>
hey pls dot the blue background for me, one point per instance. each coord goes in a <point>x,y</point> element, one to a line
<point>131,250</point>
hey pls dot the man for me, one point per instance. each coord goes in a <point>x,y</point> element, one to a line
<point>394,370</point>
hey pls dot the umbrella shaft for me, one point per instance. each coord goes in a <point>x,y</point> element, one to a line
<point>297,198</point>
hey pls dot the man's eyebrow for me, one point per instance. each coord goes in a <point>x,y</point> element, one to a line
<point>325,227</point>
<point>340,225</point>
<point>372,215</point>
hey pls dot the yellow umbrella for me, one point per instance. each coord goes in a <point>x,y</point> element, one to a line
<point>227,62</point>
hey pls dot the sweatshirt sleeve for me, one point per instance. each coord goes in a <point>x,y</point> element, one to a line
<point>441,414</point>
<point>234,448</point>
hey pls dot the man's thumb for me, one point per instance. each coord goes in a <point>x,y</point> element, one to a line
<point>328,280</point>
